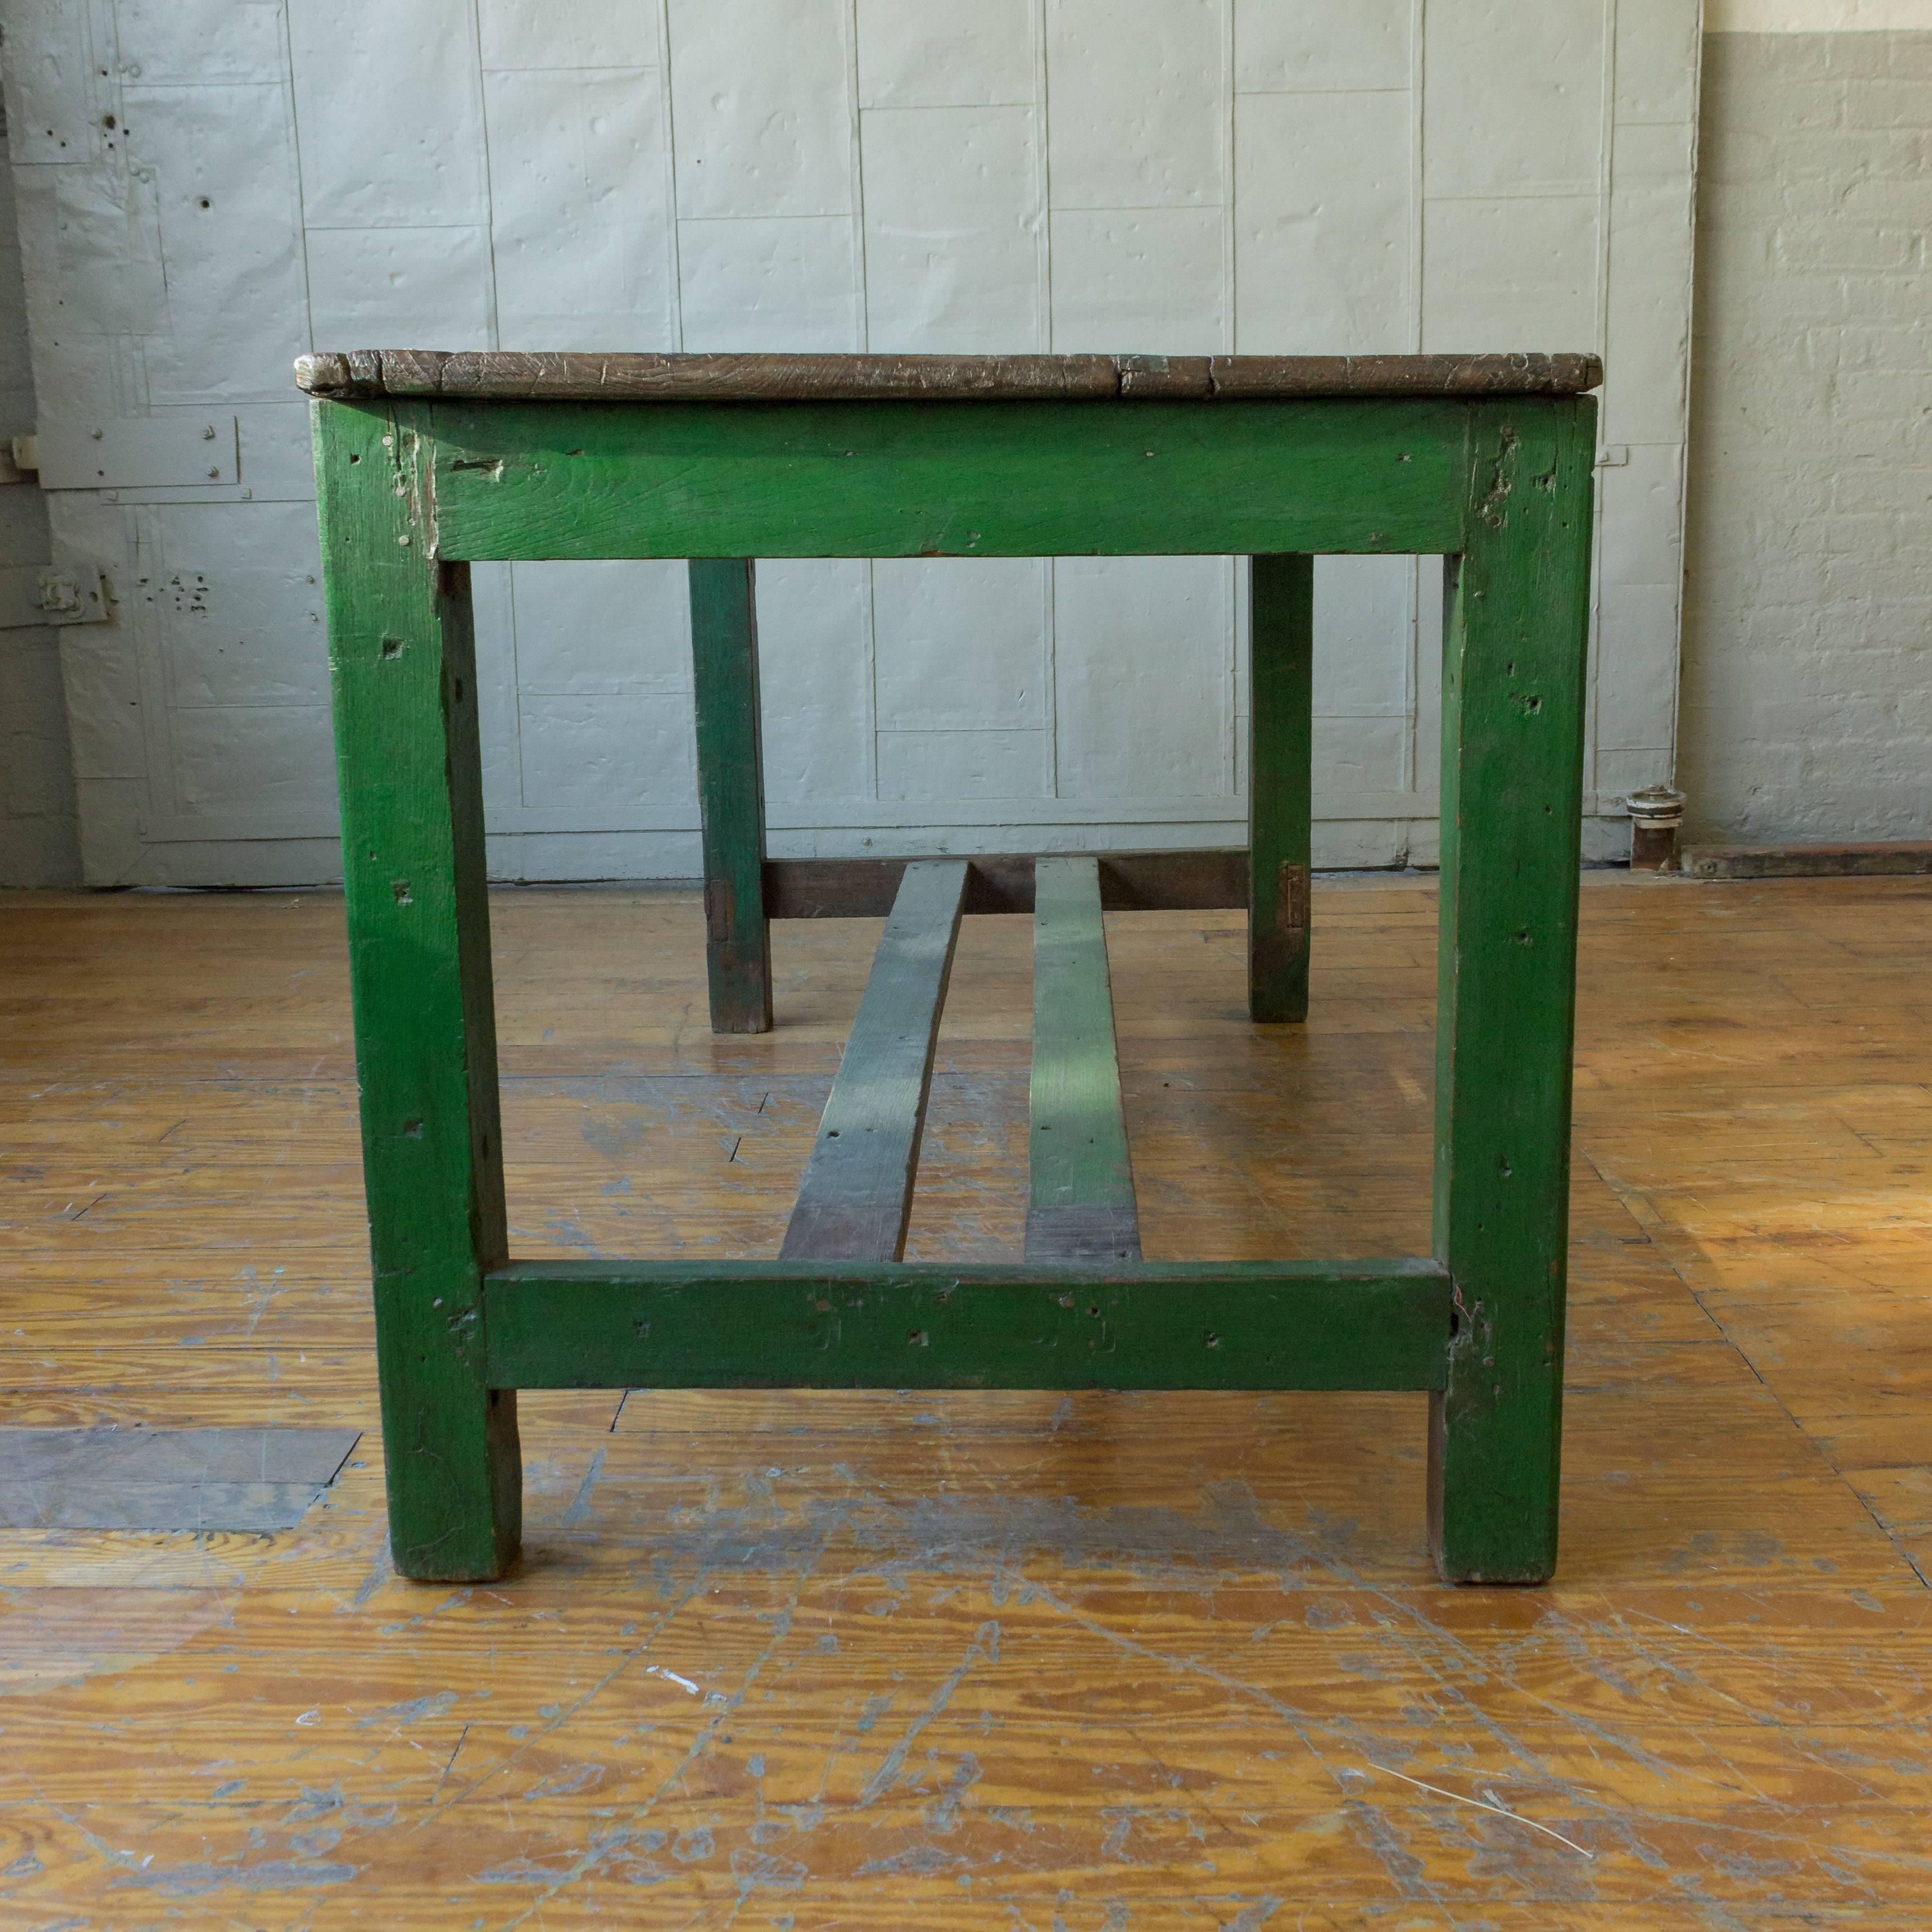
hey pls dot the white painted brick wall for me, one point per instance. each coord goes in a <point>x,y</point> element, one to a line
<point>209,186</point>
<point>1807,670</point>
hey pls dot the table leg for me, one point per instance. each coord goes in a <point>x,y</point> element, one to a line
<point>1281,607</point>
<point>1513,692</point>
<point>731,793</point>
<point>402,660</point>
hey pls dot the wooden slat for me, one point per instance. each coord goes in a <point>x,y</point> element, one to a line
<point>565,376</point>
<point>1374,1325</point>
<point>1878,858</point>
<point>562,480</point>
<point>731,792</point>
<point>1214,879</point>
<point>1082,1207</point>
<point>857,1192</point>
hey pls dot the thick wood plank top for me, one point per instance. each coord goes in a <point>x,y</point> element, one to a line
<point>509,376</point>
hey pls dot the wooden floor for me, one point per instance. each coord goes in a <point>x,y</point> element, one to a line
<point>1078,1663</point>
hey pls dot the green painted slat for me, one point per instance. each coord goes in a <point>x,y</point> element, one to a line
<point>402,658</point>
<point>965,479</point>
<point>731,792</point>
<point>1081,1177</point>
<point>1281,712</point>
<point>1513,699</point>
<point>856,1195</point>
<point>1165,1325</point>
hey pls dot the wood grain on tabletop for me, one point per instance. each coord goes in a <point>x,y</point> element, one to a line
<point>871,1660</point>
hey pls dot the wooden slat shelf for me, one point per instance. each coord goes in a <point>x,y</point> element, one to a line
<point>1081,1177</point>
<point>857,1195</point>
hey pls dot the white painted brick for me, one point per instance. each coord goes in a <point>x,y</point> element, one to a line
<point>604,755</point>
<point>928,765</point>
<point>1141,279</point>
<point>814,675</point>
<point>761,99</point>
<point>1322,224</point>
<point>960,643</point>
<point>1513,103</point>
<point>237,296</point>
<point>1137,113</point>
<point>952,216</point>
<point>1144,677</point>
<point>400,287</point>
<point>1360,48</point>
<point>581,217</point>
<point>567,33</point>
<point>947,53</point>
<point>583,629</point>
<point>237,631</point>
<point>790,283</point>
<point>391,113</point>
<point>1509,274</point>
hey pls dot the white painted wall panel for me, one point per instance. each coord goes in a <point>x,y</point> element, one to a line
<point>404,285</point>
<point>788,282</point>
<point>1135,89</point>
<point>1349,49</point>
<point>1175,176</point>
<point>815,680</point>
<point>568,34</point>
<point>1142,279</point>
<point>952,230</point>
<point>391,113</point>
<point>247,631</point>
<point>179,43</point>
<point>1521,270</point>
<point>947,53</point>
<point>925,766</point>
<point>762,100</point>
<point>1514,99</point>
<point>224,162</point>
<point>1144,677</point>
<point>109,243</point>
<point>1324,219</point>
<point>580,222</point>
<point>960,644</point>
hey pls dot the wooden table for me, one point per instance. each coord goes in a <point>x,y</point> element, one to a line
<point>427,463</point>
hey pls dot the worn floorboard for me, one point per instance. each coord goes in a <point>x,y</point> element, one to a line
<point>1109,1663</point>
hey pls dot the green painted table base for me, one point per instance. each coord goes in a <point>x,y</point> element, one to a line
<point>427,464</point>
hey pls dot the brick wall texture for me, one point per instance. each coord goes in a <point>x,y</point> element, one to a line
<point>1806,700</point>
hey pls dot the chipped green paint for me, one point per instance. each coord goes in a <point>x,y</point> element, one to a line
<point>413,490</point>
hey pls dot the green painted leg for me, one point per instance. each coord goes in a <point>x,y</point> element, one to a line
<point>731,793</point>
<point>403,659</point>
<point>1281,605</point>
<point>1513,684</point>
